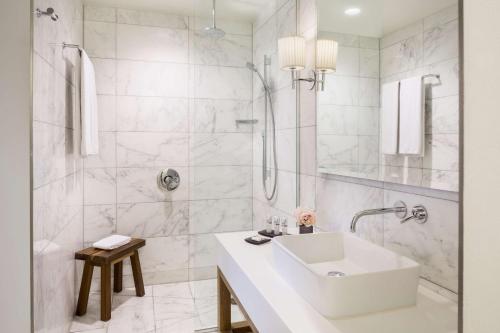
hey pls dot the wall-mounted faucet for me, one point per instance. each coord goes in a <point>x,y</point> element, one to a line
<point>419,213</point>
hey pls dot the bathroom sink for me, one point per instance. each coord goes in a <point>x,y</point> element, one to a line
<point>342,275</point>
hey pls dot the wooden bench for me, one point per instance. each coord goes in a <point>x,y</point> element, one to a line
<point>104,259</point>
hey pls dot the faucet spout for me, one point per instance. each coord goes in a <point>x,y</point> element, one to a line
<point>399,209</point>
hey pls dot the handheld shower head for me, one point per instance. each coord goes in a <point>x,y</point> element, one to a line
<point>251,66</point>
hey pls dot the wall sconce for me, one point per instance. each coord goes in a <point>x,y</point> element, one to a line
<point>326,58</point>
<point>292,55</point>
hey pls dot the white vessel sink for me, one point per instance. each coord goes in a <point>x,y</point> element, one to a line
<point>371,279</point>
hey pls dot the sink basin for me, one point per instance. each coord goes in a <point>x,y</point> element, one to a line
<point>342,275</point>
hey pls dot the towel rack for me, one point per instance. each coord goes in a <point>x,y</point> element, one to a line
<point>74,46</point>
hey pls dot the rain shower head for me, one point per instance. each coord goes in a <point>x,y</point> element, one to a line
<point>213,31</point>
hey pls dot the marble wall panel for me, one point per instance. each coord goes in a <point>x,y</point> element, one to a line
<point>169,97</point>
<point>57,166</point>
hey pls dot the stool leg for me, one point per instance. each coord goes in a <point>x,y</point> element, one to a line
<point>106,292</point>
<point>118,277</point>
<point>136,270</point>
<point>83,296</point>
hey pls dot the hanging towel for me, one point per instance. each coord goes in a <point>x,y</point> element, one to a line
<point>412,117</point>
<point>389,118</point>
<point>88,107</point>
<point>112,242</point>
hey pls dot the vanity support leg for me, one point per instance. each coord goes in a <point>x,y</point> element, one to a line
<point>223,303</point>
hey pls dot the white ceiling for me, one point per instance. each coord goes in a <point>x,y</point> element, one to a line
<point>246,10</point>
<point>378,17</point>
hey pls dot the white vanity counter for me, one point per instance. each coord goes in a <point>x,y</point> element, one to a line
<point>275,307</point>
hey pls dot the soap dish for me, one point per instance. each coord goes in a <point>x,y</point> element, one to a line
<point>257,240</point>
<point>269,234</point>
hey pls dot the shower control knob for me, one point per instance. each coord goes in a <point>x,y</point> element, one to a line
<point>168,179</point>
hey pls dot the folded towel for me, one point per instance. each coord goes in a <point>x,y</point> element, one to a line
<point>412,117</point>
<point>389,121</point>
<point>112,242</point>
<point>88,108</point>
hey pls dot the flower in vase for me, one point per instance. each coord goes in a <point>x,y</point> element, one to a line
<point>305,216</point>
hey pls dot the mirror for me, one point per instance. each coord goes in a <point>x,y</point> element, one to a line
<point>382,42</point>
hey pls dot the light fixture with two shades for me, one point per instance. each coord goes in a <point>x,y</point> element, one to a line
<point>292,57</point>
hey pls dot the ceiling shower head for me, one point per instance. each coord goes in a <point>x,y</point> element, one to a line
<point>213,31</point>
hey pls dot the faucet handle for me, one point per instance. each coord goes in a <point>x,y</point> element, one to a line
<point>418,213</point>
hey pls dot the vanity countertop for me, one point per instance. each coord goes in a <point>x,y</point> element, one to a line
<point>276,308</point>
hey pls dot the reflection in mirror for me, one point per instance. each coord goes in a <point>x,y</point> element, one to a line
<point>378,117</point>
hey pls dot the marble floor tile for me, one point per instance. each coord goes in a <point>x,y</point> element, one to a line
<point>175,314</point>
<point>173,290</point>
<point>184,307</point>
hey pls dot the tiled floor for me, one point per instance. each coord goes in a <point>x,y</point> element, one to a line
<point>169,308</point>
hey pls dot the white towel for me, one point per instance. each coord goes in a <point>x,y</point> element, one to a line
<point>412,117</point>
<point>88,108</point>
<point>111,242</point>
<point>389,121</point>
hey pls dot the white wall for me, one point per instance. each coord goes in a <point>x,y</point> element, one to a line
<point>481,165</point>
<point>15,127</point>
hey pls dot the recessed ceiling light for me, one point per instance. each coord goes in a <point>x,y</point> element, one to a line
<point>352,11</point>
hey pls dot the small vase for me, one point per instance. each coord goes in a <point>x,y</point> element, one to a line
<point>306,229</point>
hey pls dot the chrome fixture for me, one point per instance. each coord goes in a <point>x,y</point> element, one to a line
<point>48,12</point>
<point>436,76</point>
<point>213,31</point>
<point>267,99</point>
<point>246,122</point>
<point>319,83</point>
<point>72,46</point>
<point>399,209</point>
<point>418,213</point>
<point>168,179</point>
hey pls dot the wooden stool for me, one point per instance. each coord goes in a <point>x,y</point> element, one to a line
<point>104,259</point>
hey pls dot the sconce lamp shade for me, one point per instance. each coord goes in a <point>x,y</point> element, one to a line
<point>292,53</point>
<point>326,55</point>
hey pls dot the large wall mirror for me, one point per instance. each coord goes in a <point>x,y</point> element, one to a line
<point>375,121</point>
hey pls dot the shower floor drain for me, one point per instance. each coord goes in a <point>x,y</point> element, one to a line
<point>336,274</point>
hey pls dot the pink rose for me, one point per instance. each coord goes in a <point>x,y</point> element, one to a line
<point>305,216</point>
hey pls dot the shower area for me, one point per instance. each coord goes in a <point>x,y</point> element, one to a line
<point>193,86</point>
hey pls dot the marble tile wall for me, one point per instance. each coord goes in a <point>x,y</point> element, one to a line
<point>276,20</point>
<point>169,97</point>
<point>336,199</point>
<point>427,46</point>
<point>57,165</point>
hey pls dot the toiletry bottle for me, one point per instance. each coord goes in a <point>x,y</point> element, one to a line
<point>269,225</point>
<point>276,225</point>
<point>284,225</point>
